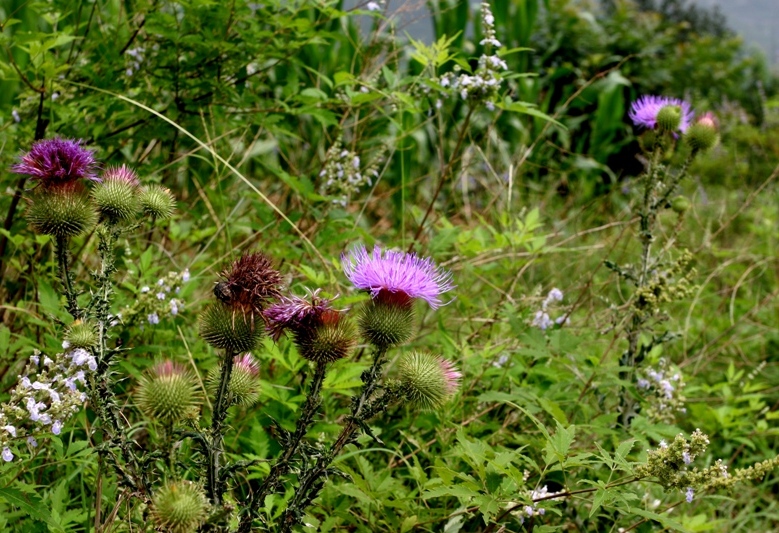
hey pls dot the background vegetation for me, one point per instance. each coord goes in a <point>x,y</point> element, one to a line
<point>525,204</point>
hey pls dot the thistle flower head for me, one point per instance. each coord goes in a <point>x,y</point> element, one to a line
<point>250,283</point>
<point>244,385</point>
<point>179,506</point>
<point>429,380</point>
<point>68,213</point>
<point>322,334</point>
<point>57,161</point>
<point>157,202</point>
<point>117,196</point>
<point>703,134</point>
<point>396,275</point>
<point>645,110</point>
<point>82,334</point>
<point>168,393</point>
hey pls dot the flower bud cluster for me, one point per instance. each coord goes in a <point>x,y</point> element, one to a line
<point>666,285</point>
<point>158,301</point>
<point>343,174</point>
<point>541,319</point>
<point>48,393</point>
<point>671,465</point>
<point>481,86</point>
<point>662,391</point>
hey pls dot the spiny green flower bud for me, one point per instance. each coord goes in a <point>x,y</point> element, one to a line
<point>680,204</point>
<point>385,323</point>
<point>230,328</point>
<point>179,507</point>
<point>428,379</point>
<point>669,118</point>
<point>157,202</point>
<point>328,341</point>
<point>168,393</point>
<point>81,334</point>
<point>63,212</point>
<point>702,136</point>
<point>117,195</point>
<point>244,386</point>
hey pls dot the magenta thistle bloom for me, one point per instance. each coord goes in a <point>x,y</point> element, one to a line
<point>57,161</point>
<point>398,273</point>
<point>644,111</point>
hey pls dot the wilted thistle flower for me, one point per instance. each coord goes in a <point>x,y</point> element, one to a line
<point>168,393</point>
<point>321,333</point>
<point>246,288</point>
<point>644,112</point>
<point>703,134</point>
<point>179,506</point>
<point>157,202</point>
<point>429,380</point>
<point>244,386</point>
<point>117,196</point>
<point>57,162</point>
<point>394,280</point>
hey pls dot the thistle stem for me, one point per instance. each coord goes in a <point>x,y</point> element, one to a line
<point>214,484</point>
<point>63,270</point>
<point>282,465</point>
<point>309,486</point>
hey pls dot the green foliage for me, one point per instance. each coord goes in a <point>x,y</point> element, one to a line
<point>238,108</point>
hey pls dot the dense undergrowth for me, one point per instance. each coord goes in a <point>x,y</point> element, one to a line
<point>304,128</point>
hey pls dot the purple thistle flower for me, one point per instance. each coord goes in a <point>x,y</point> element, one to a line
<point>401,274</point>
<point>57,161</point>
<point>644,111</point>
<point>295,312</point>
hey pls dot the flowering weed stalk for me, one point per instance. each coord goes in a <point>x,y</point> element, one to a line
<point>657,279</point>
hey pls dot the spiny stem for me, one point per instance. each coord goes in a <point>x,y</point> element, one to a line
<point>309,486</point>
<point>63,270</point>
<point>216,447</point>
<point>282,465</point>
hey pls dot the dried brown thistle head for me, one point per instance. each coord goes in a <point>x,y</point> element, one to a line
<point>249,284</point>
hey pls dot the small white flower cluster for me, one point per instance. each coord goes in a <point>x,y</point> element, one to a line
<point>662,390</point>
<point>374,6</point>
<point>342,175</point>
<point>134,60</point>
<point>527,511</point>
<point>158,301</point>
<point>46,396</point>
<point>482,86</point>
<point>541,319</point>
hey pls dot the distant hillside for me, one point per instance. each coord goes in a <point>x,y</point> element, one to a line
<point>756,20</point>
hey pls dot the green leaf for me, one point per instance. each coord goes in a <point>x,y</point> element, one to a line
<point>31,505</point>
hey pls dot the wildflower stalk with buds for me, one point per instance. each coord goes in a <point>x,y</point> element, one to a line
<point>657,280</point>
